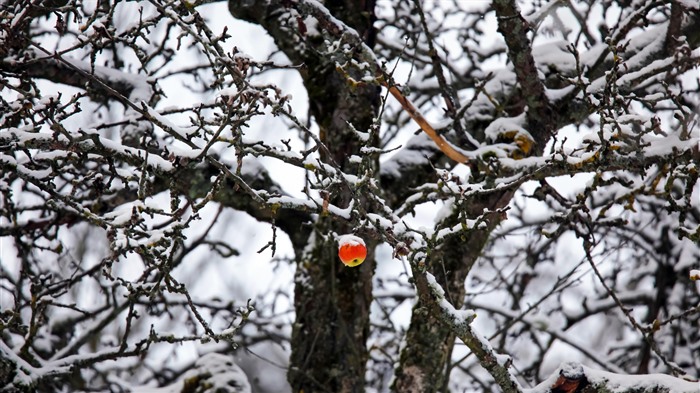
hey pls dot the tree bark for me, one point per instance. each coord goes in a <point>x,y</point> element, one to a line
<point>422,368</point>
<point>331,301</point>
<point>429,342</point>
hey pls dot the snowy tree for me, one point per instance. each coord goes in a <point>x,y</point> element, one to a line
<point>523,175</point>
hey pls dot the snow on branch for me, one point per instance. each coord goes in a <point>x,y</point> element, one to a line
<point>60,69</point>
<point>211,372</point>
<point>342,32</point>
<point>459,321</point>
<point>514,28</point>
<point>574,377</point>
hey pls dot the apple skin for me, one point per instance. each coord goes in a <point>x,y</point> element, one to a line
<point>352,254</point>
<point>352,250</point>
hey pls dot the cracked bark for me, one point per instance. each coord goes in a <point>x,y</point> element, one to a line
<point>331,301</point>
<point>421,368</point>
<point>514,28</point>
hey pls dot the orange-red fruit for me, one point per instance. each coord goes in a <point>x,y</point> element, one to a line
<point>351,250</point>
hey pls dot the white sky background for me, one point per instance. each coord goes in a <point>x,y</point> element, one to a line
<point>251,274</point>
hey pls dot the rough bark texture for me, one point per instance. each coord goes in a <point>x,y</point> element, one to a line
<point>422,367</point>
<point>513,27</point>
<point>331,301</point>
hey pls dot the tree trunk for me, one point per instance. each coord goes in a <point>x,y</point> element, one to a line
<point>332,301</point>
<point>429,342</point>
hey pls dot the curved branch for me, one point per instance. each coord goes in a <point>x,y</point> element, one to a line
<point>77,73</point>
<point>445,146</point>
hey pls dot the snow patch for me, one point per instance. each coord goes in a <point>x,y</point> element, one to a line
<point>350,240</point>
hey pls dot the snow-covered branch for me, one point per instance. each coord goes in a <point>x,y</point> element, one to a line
<point>574,377</point>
